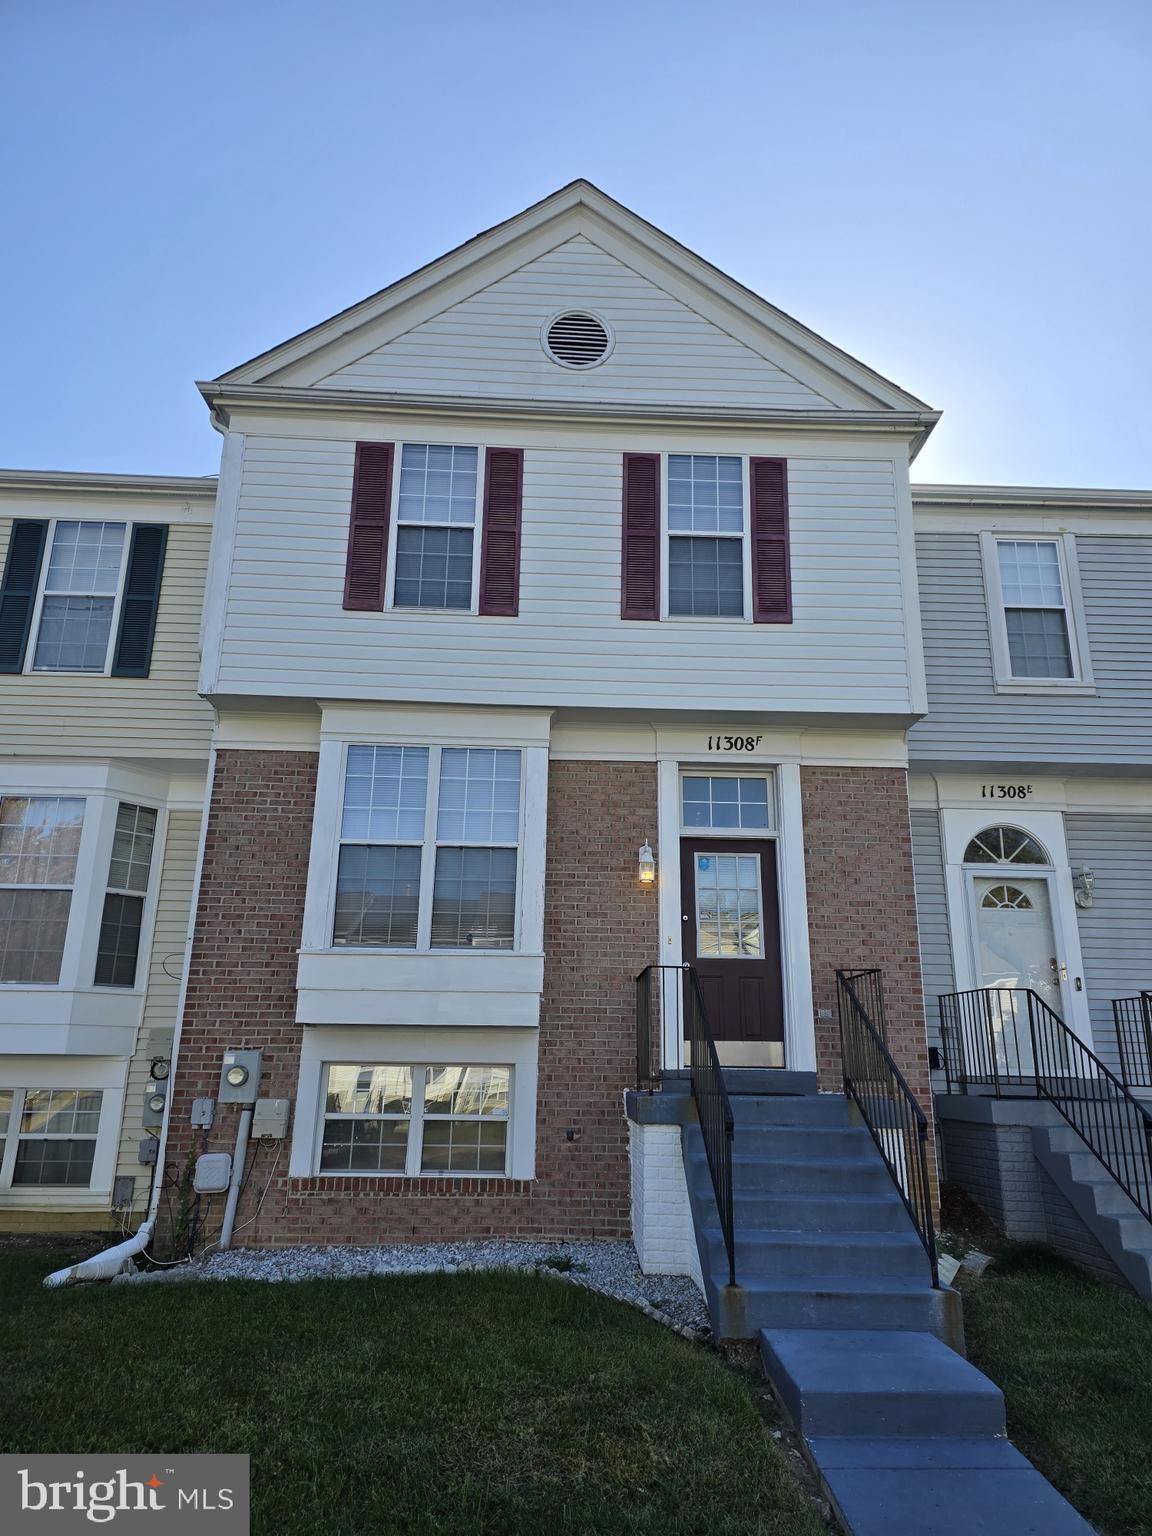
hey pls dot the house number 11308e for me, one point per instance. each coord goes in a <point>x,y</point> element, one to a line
<point>1005,791</point>
<point>734,743</point>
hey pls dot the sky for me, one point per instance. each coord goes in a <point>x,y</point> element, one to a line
<point>957,193</point>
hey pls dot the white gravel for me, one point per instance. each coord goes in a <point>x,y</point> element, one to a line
<point>607,1267</point>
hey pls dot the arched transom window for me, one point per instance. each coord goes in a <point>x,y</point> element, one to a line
<point>1007,896</point>
<point>1004,845</point>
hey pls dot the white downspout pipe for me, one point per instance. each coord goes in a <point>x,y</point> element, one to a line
<point>103,1266</point>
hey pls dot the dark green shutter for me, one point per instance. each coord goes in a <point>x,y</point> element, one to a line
<point>141,598</point>
<point>18,591</point>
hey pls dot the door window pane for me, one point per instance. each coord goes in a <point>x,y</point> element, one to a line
<point>724,801</point>
<point>474,898</point>
<point>479,795</point>
<point>706,577</point>
<point>728,920</point>
<point>377,897</point>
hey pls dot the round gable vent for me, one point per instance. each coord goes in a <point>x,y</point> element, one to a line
<point>577,339</point>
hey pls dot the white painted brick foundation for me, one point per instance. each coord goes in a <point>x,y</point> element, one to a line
<point>661,1216</point>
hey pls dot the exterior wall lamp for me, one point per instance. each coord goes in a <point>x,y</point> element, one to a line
<point>1084,883</point>
<point>647,864</point>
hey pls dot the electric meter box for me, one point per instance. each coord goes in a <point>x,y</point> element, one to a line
<point>213,1171</point>
<point>240,1077</point>
<point>154,1097</point>
<point>270,1118</point>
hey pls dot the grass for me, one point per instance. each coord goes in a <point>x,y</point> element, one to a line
<point>430,1405</point>
<point>1074,1359</point>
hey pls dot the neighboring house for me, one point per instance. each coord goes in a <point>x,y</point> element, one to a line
<point>564,547</point>
<point>1037,615</point>
<point>104,750</point>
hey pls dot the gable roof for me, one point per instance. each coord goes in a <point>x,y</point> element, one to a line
<point>578,209</point>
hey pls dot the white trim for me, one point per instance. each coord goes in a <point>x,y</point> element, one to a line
<point>1081,680</point>
<point>788,834</point>
<point>1119,796</point>
<point>910,590</point>
<point>221,552</point>
<point>958,828</point>
<point>420,1047</point>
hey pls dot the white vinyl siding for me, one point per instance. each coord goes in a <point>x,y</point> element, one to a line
<point>490,344</point>
<point>932,916</point>
<point>286,632</point>
<point>72,715</point>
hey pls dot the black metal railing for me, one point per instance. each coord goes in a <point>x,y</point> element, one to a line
<point>668,998</point>
<point>890,1109</point>
<point>1133,1020</point>
<point>1051,1062</point>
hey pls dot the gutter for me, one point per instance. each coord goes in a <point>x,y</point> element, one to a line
<point>114,1261</point>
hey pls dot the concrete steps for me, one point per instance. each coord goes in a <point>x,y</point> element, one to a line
<point>904,1434</point>
<point>1118,1225</point>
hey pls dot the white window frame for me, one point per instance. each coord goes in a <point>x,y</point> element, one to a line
<point>41,593</point>
<point>415,1117</point>
<point>390,604</point>
<point>103,1153</point>
<point>429,844</point>
<point>667,534</point>
<point>93,863</point>
<point>1006,681</point>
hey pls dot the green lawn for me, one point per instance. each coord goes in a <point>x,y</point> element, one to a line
<point>1074,1359</point>
<point>438,1404</point>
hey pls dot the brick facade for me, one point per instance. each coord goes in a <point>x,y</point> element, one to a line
<point>601,926</point>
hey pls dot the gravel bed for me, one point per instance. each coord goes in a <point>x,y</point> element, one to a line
<point>607,1267</point>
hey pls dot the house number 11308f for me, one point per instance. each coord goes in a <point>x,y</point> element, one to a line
<point>734,743</point>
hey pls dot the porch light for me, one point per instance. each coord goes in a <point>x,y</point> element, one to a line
<point>647,868</point>
<point>1084,884</point>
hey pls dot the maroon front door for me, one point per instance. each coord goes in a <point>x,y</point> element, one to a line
<point>731,923</point>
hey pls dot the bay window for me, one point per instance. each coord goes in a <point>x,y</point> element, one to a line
<point>415,1119</point>
<point>429,848</point>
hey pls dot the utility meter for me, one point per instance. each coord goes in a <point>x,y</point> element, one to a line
<point>240,1077</point>
<point>154,1099</point>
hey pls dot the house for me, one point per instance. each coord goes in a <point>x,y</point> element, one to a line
<point>563,548</point>
<point>104,750</point>
<point>1031,793</point>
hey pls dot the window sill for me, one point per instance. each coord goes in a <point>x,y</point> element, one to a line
<point>1040,686</point>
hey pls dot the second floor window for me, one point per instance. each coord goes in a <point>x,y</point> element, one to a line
<point>429,848</point>
<point>1035,608</point>
<point>39,845</point>
<point>81,584</point>
<point>705,535</point>
<point>436,527</point>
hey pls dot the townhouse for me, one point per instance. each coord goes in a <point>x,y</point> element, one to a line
<point>104,750</point>
<point>570,619</point>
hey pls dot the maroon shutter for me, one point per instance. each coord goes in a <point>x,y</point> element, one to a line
<point>500,538</point>
<point>368,530</point>
<point>640,573</point>
<point>771,564</point>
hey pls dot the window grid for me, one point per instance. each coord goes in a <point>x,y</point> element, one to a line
<point>48,1136</point>
<point>706,525</point>
<point>724,802</point>
<point>39,845</point>
<point>412,1120</point>
<point>1036,618</point>
<point>79,595</point>
<point>453,883</point>
<point>728,906</point>
<point>434,564</point>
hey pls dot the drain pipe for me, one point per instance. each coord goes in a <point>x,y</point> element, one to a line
<point>103,1266</point>
<point>239,1158</point>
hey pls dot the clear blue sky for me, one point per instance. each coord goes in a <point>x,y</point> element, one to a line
<point>958,193</point>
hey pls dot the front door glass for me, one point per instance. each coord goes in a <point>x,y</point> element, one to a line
<point>729,916</point>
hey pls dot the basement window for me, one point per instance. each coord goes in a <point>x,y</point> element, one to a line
<point>413,1120</point>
